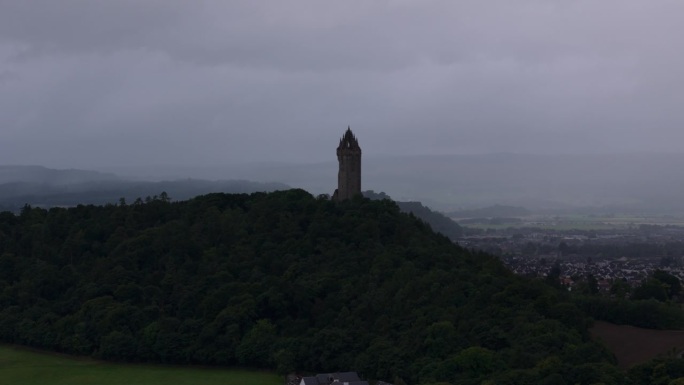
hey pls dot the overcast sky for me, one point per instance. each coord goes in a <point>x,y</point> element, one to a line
<point>124,82</point>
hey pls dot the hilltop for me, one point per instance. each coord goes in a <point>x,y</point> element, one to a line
<point>284,281</point>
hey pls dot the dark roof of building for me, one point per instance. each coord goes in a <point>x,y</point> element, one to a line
<point>309,381</point>
<point>346,376</point>
<point>352,378</point>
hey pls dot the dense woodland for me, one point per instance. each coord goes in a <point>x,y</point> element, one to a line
<point>289,282</point>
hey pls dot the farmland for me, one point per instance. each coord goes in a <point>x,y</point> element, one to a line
<point>632,345</point>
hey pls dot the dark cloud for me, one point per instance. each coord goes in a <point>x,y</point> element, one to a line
<point>94,83</point>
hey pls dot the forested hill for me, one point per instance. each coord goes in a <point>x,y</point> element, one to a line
<point>284,281</point>
<point>437,221</point>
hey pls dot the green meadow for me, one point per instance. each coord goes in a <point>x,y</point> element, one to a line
<point>23,367</point>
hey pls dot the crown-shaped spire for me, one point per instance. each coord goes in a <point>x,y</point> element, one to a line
<point>348,140</point>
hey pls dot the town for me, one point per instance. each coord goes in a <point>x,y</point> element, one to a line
<point>627,254</point>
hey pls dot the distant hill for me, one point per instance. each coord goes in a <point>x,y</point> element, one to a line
<point>551,183</point>
<point>39,175</point>
<point>39,186</point>
<point>289,282</point>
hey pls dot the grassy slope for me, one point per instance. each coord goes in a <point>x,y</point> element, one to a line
<point>19,366</point>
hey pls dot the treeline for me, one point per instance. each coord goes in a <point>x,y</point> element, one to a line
<point>14,195</point>
<point>289,282</point>
<point>650,314</point>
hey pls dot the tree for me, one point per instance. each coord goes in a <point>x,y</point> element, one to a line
<point>659,285</point>
<point>553,277</point>
<point>620,288</point>
<point>476,362</point>
<point>118,346</point>
<point>441,338</point>
<point>651,288</point>
<point>672,284</point>
<point>256,346</point>
<point>164,197</point>
<point>590,285</point>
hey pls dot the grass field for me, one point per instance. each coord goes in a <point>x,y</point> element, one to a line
<point>23,367</point>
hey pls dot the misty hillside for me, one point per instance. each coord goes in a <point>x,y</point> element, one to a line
<point>623,182</point>
<point>289,282</point>
<point>40,186</point>
<point>50,177</point>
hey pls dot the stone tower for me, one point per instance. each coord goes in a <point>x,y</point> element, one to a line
<point>349,175</point>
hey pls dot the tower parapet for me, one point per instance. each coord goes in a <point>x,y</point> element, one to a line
<point>349,174</point>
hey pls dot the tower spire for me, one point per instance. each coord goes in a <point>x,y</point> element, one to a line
<point>349,174</point>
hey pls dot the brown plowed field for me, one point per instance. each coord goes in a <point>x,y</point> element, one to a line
<point>632,345</point>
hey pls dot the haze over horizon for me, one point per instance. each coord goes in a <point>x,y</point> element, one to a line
<point>103,84</point>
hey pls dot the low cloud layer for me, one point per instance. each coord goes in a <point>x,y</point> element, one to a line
<point>92,83</point>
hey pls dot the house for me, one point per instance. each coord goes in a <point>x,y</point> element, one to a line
<point>343,378</point>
